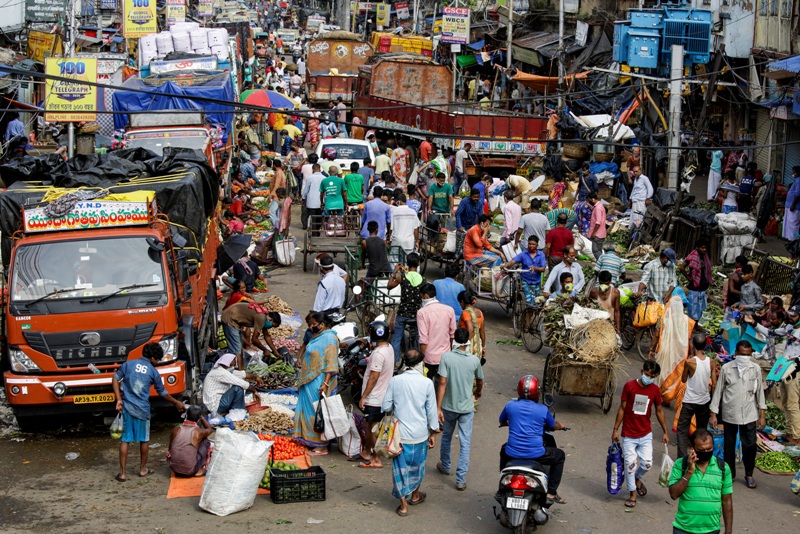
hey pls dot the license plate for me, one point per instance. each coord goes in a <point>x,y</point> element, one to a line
<point>517,504</point>
<point>92,399</point>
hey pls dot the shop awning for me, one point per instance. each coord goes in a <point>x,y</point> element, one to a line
<point>547,84</point>
<point>24,106</point>
<point>477,45</point>
<point>524,48</point>
<point>785,68</point>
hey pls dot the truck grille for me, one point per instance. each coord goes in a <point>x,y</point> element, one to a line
<point>113,347</point>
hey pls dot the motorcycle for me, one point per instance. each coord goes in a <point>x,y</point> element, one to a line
<point>522,492</point>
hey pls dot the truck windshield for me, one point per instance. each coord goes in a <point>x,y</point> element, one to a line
<point>155,141</point>
<point>94,268</point>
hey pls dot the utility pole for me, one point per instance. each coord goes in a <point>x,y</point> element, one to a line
<point>710,90</point>
<point>675,110</point>
<point>71,51</point>
<point>560,54</point>
<point>510,31</point>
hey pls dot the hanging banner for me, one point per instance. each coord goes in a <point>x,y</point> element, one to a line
<point>402,11</point>
<point>205,8</point>
<point>42,45</point>
<point>44,10</point>
<point>455,25</point>
<point>140,18</point>
<point>70,101</point>
<point>572,6</point>
<point>176,11</point>
<point>382,14</point>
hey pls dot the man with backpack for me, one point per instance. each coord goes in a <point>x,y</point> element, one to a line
<point>703,487</point>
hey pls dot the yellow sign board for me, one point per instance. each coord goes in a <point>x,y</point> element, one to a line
<point>70,99</point>
<point>382,14</point>
<point>140,18</point>
<point>42,45</point>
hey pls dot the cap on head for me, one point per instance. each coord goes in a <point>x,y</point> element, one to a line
<point>794,310</point>
<point>669,254</point>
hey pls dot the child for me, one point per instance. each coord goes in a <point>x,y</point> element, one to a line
<point>730,191</point>
<point>750,299</point>
<point>374,249</point>
<point>775,315</point>
<point>412,201</point>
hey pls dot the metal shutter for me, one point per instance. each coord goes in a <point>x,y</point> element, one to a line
<point>791,152</point>
<point>762,155</point>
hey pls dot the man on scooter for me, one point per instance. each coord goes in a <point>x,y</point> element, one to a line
<point>527,420</point>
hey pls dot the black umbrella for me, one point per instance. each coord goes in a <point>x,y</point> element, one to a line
<point>231,250</point>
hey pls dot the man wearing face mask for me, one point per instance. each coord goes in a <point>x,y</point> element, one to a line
<point>568,264</point>
<point>739,395</point>
<point>701,496</point>
<point>224,386</point>
<point>638,398</point>
<point>659,277</point>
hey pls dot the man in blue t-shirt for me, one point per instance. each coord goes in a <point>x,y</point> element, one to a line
<point>527,420</point>
<point>131,384</point>
<point>534,263</point>
<point>447,289</point>
<point>746,186</point>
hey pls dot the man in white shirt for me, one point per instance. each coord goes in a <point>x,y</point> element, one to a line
<point>641,194</point>
<point>553,284</point>
<point>311,197</point>
<point>296,83</point>
<point>533,223</point>
<point>382,162</point>
<point>405,225</point>
<point>301,68</point>
<point>331,289</point>
<point>459,173</point>
<point>512,213</point>
<point>223,387</point>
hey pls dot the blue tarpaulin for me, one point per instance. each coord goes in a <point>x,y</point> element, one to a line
<point>791,64</point>
<point>477,45</point>
<point>169,97</point>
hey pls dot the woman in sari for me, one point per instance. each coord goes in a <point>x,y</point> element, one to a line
<point>318,367</point>
<point>472,320</point>
<point>313,128</point>
<point>400,165</point>
<point>556,192</point>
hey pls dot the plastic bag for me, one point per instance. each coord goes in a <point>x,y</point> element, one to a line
<point>285,251</point>
<point>615,477</point>
<point>450,242</point>
<point>795,485</point>
<point>387,443</point>
<point>666,469</point>
<point>464,189</point>
<point>350,443</point>
<point>234,473</point>
<point>116,426</point>
<point>335,415</point>
<point>647,314</point>
<point>319,419</point>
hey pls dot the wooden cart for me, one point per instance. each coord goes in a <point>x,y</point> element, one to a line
<point>323,236</point>
<point>563,376</point>
<point>432,243</point>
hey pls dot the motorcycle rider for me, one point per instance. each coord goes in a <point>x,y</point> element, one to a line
<point>527,420</point>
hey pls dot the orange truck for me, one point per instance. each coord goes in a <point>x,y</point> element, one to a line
<point>332,65</point>
<point>88,285</point>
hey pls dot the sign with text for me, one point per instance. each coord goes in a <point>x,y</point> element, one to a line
<point>572,6</point>
<point>382,14</point>
<point>70,99</point>
<point>455,25</point>
<point>200,63</point>
<point>140,18</point>
<point>205,8</point>
<point>45,10</point>
<point>108,4</point>
<point>42,45</point>
<point>176,11</point>
<point>86,215</point>
<point>402,11</point>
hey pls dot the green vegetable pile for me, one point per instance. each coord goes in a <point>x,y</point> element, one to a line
<point>282,367</point>
<point>283,466</point>
<point>775,417</point>
<point>516,342</point>
<point>776,461</point>
<point>711,319</point>
<point>708,206</point>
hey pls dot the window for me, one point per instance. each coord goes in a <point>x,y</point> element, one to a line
<point>786,9</point>
<point>773,8</point>
<point>762,7</point>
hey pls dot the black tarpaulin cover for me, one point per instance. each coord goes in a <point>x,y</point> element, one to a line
<point>186,187</point>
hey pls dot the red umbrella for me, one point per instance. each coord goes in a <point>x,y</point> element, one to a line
<point>256,97</point>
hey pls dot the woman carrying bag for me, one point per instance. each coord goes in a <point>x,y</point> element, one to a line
<point>318,366</point>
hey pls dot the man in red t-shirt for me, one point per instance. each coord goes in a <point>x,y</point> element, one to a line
<point>638,398</point>
<point>426,149</point>
<point>556,241</point>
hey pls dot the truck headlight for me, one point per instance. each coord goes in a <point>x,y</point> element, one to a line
<point>20,362</point>
<point>169,347</point>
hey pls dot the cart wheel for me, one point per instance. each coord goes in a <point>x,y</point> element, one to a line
<point>516,312</point>
<point>643,341</point>
<point>608,395</point>
<point>628,336</point>
<point>532,330</point>
<point>548,377</point>
<point>367,314</point>
<point>305,252</point>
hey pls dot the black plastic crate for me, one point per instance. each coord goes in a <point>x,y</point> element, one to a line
<point>304,485</point>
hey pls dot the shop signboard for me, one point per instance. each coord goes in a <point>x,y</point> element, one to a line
<point>70,99</point>
<point>140,18</point>
<point>176,11</point>
<point>88,215</point>
<point>402,11</point>
<point>45,10</point>
<point>382,14</point>
<point>572,6</point>
<point>205,8</point>
<point>42,45</point>
<point>455,25</point>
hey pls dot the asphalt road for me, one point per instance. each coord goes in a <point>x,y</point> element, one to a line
<point>41,491</point>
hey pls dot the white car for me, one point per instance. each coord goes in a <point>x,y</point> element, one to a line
<point>347,151</point>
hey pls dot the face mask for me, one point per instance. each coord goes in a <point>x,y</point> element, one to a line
<point>668,264</point>
<point>316,329</point>
<point>742,362</point>
<point>568,261</point>
<point>267,325</point>
<point>604,287</point>
<point>568,288</point>
<point>704,456</point>
<point>426,301</point>
<point>646,380</point>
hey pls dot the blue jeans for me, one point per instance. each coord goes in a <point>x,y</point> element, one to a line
<point>233,338</point>
<point>458,177</point>
<point>531,291</point>
<point>231,400</point>
<point>464,421</point>
<point>399,329</point>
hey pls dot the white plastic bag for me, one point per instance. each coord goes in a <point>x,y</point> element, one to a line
<point>666,469</point>
<point>284,251</point>
<point>235,471</point>
<point>450,242</point>
<point>350,443</point>
<point>501,283</point>
<point>335,416</point>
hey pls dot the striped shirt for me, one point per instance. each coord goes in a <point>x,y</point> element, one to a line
<point>609,261</point>
<point>700,505</point>
<point>217,382</point>
<point>658,279</point>
<point>552,216</point>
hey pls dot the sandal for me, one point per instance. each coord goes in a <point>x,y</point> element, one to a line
<point>750,482</point>
<point>148,473</point>
<point>641,489</point>
<point>119,478</point>
<point>630,503</point>
<point>421,499</point>
<point>556,500</point>
<point>400,511</point>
